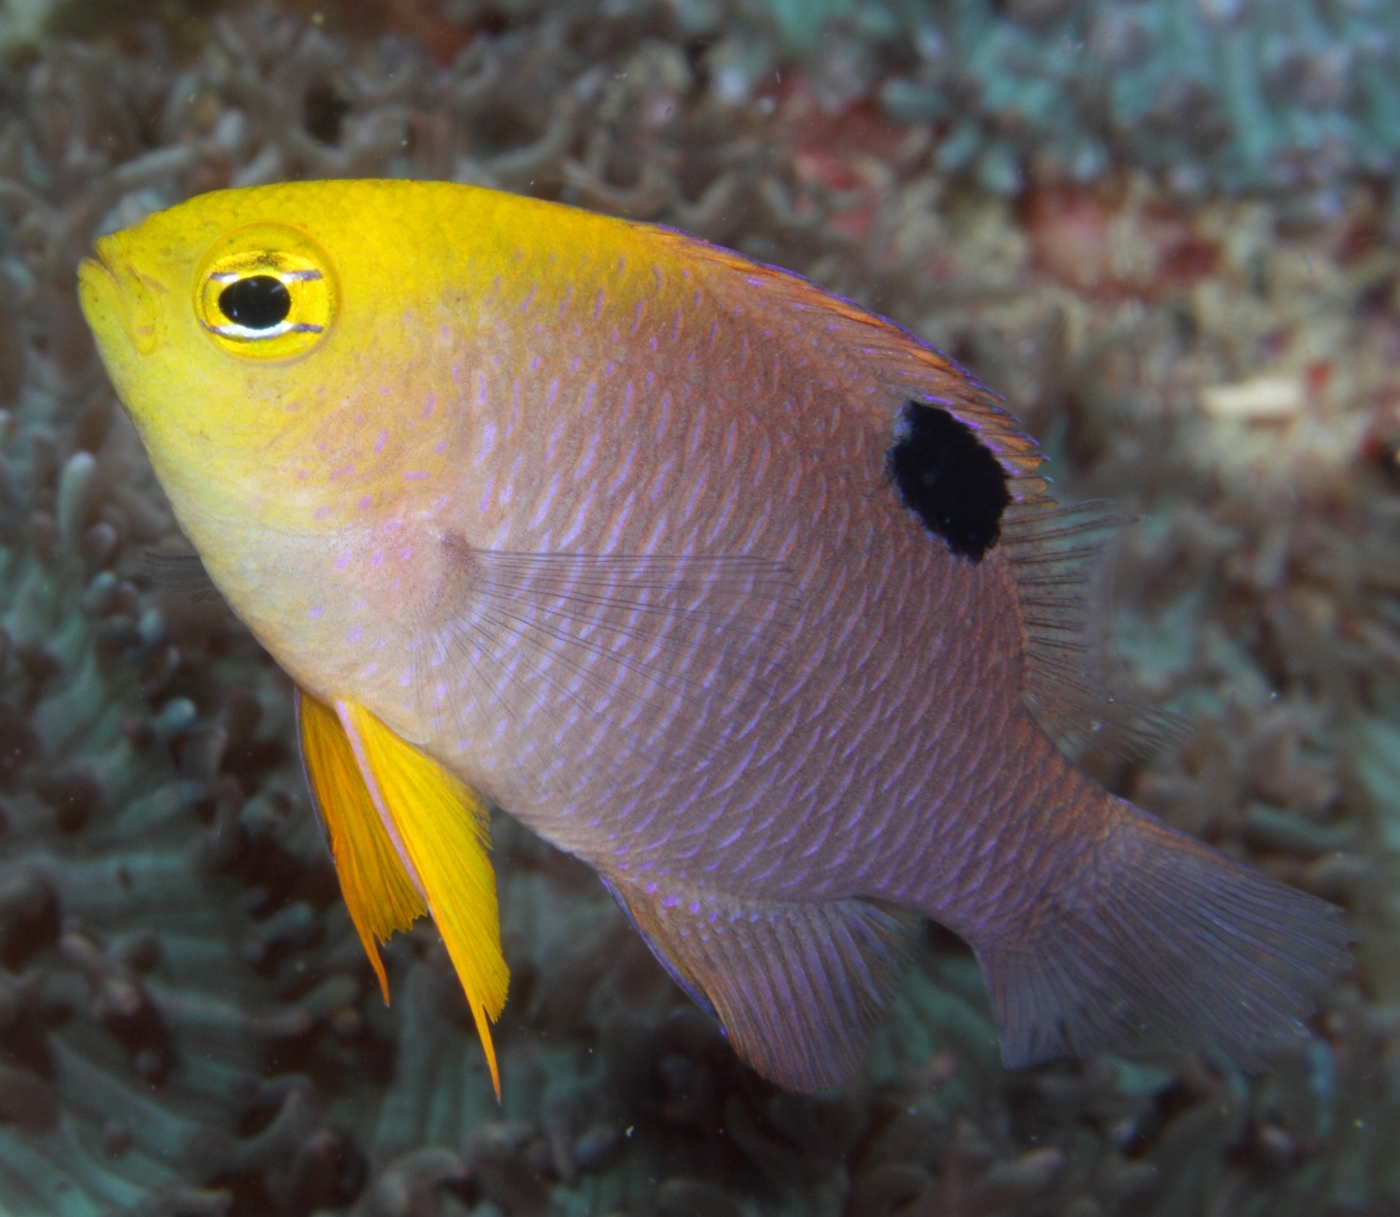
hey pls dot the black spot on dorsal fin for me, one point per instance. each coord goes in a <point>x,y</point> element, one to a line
<point>948,478</point>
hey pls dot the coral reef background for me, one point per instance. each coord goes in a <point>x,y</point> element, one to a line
<point>1165,230</point>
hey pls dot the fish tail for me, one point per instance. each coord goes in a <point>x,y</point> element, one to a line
<point>1153,940</point>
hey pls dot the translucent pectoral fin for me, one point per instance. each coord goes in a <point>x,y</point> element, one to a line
<point>378,891</point>
<point>440,830</point>
<point>688,647</point>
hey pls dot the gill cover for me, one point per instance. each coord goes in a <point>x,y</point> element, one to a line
<point>408,838</point>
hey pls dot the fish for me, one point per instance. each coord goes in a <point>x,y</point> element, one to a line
<point>732,589</point>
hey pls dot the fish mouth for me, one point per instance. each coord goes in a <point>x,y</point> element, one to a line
<point>96,285</point>
<point>109,292</point>
<point>99,266</point>
<point>97,282</point>
<point>94,270</point>
<point>99,295</point>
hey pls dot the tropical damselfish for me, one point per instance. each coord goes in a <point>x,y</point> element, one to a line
<point>734,590</point>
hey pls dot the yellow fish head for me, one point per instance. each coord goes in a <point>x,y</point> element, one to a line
<point>248,333</point>
<point>212,329</point>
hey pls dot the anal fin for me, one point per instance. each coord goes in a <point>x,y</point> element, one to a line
<point>797,986</point>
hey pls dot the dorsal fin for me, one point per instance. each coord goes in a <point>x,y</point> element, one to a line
<point>1062,577</point>
<point>912,368</point>
<point>1056,553</point>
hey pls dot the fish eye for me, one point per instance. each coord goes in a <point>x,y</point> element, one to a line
<point>266,292</point>
<point>256,303</point>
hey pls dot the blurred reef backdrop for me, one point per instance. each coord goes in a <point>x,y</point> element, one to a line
<point>1168,231</point>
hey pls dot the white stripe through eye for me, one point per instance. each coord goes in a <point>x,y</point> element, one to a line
<point>244,333</point>
<point>283,276</point>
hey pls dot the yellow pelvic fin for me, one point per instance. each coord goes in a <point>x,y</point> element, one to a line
<point>441,831</point>
<point>378,891</point>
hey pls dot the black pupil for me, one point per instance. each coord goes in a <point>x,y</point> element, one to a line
<point>256,303</point>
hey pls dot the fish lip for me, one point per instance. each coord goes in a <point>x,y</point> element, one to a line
<point>97,260</point>
<point>95,272</point>
<point>94,268</point>
<point>100,293</point>
<point>108,283</point>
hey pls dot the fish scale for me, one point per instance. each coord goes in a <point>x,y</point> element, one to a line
<point>737,592</point>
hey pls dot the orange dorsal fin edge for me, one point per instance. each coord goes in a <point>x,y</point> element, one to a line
<point>408,838</point>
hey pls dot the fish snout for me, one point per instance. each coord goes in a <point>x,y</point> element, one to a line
<point>112,291</point>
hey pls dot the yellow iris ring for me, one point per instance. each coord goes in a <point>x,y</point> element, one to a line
<point>280,253</point>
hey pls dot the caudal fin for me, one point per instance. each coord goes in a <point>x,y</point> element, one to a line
<point>1159,941</point>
